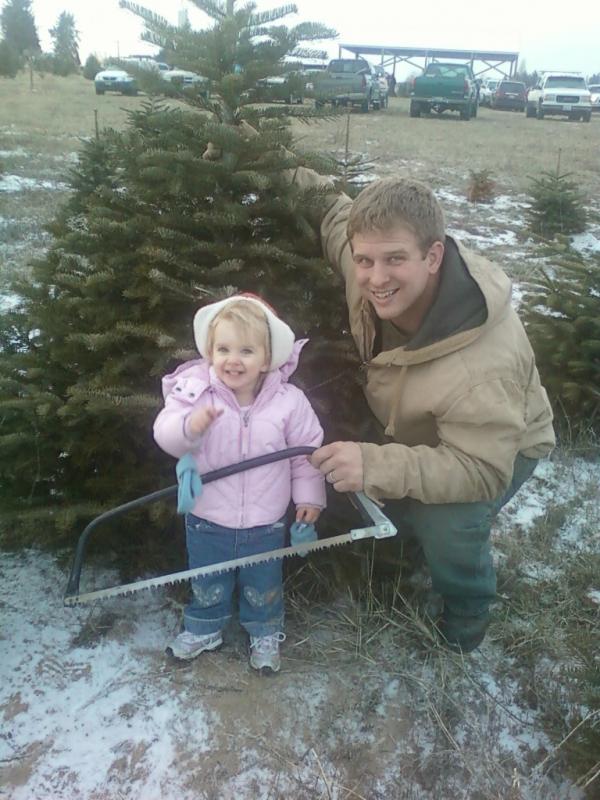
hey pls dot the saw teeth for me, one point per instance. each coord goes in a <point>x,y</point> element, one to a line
<point>167,580</point>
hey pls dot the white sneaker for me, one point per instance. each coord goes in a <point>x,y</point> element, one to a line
<point>187,645</point>
<point>264,652</point>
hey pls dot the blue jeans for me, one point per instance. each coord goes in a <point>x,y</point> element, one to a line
<point>260,587</point>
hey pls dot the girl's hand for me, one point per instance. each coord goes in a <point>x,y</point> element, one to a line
<point>201,419</point>
<point>308,514</point>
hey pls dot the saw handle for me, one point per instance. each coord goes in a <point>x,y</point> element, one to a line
<point>161,494</point>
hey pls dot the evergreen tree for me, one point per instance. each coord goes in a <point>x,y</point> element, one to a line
<point>152,230</point>
<point>562,315</point>
<point>9,60</point>
<point>18,26</point>
<point>91,67</point>
<point>557,206</point>
<point>65,43</point>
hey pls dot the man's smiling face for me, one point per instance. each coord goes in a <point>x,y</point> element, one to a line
<point>395,276</point>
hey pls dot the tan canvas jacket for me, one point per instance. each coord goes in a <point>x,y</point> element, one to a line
<point>456,412</point>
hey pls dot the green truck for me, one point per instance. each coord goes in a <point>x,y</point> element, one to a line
<point>349,82</point>
<point>444,87</point>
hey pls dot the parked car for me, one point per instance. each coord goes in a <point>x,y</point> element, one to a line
<point>287,88</point>
<point>444,87</point>
<point>595,96</point>
<point>145,62</point>
<point>510,95</point>
<point>349,82</point>
<point>560,93</point>
<point>488,86</point>
<point>113,79</point>
<point>184,79</point>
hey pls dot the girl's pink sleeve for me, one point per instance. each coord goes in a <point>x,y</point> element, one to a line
<point>304,429</point>
<point>170,432</point>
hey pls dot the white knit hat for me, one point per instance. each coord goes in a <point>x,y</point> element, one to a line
<point>282,336</point>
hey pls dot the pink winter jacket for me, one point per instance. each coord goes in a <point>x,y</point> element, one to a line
<point>280,417</point>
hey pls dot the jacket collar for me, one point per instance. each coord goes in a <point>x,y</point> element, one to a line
<point>473,295</point>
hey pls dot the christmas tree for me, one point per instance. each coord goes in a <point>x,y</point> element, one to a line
<point>152,231</point>
<point>562,315</point>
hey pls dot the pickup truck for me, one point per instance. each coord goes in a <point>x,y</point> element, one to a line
<point>349,82</point>
<point>561,93</point>
<point>288,88</point>
<point>444,87</point>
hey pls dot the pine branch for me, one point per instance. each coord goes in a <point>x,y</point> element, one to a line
<point>273,14</point>
<point>312,31</point>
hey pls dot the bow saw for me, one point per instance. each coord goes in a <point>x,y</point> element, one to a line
<point>377,526</point>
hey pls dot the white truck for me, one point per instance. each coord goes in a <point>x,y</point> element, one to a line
<point>560,93</point>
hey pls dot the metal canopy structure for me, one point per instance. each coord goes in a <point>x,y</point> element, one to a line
<point>486,60</point>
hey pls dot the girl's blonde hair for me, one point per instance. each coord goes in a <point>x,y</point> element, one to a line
<point>248,318</point>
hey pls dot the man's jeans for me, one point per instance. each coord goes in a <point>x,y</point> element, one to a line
<point>455,538</point>
<point>260,587</point>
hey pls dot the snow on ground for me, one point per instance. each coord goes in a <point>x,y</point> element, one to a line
<point>16,183</point>
<point>92,709</point>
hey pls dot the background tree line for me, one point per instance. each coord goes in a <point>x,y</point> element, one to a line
<point>20,44</point>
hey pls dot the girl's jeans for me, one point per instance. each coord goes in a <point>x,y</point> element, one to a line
<point>260,587</point>
<point>455,538</point>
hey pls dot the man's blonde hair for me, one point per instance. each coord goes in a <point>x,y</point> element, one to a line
<point>248,318</point>
<point>390,202</point>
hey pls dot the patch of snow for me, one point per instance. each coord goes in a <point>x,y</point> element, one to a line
<point>506,202</point>
<point>585,243</point>
<point>18,152</point>
<point>16,183</point>
<point>594,596</point>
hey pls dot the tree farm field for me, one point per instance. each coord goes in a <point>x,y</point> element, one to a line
<point>367,705</point>
<point>41,130</point>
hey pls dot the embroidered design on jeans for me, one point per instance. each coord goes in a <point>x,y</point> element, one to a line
<point>258,599</point>
<point>209,596</point>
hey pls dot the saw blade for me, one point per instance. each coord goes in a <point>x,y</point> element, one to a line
<point>211,569</point>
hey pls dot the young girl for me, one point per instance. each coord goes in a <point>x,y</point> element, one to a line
<point>233,404</point>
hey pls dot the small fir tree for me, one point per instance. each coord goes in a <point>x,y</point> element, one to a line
<point>152,230</point>
<point>562,315</point>
<point>557,206</point>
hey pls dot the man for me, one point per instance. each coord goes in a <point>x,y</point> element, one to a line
<point>451,378</point>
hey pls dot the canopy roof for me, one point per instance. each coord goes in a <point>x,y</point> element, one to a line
<point>501,61</point>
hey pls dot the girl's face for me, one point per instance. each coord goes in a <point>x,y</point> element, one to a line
<point>239,360</point>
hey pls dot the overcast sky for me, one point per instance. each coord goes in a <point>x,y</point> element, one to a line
<point>567,37</point>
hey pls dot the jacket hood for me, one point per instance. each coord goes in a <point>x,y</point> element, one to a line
<point>474,295</point>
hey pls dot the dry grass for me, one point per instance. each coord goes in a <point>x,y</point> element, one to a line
<point>443,149</point>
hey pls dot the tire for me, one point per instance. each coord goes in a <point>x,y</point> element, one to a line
<point>529,111</point>
<point>415,109</point>
<point>99,90</point>
<point>587,117</point>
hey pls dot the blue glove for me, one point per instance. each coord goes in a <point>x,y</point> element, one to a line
<point>190,483</point>
<point>302,532</point>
